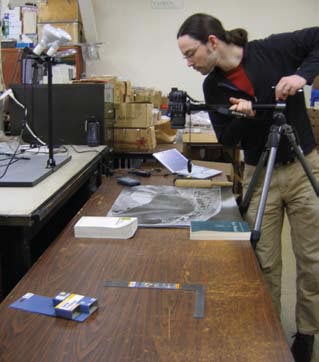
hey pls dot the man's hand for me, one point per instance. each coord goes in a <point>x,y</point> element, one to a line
<point>288,86</point>
<point>242,106</point>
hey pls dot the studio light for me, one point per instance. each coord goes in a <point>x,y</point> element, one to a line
<point>52,38</point>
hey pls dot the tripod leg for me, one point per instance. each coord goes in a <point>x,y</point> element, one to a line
<point>255,233</point>
<point>292,140</point>
<point>271,148</point>
<point>243,207</point>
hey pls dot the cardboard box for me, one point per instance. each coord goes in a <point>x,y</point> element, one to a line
<point>115,91</point>
<point>199,135</point>
<point>109,136</point>
<point>164,133</point>
<point>148,95</point>
<point>109,111</point>
<point>141,95</point>
<point>157,98</point>
<point>134,115</point>
<point>109,119</point>
<point>70,305</point>
<point>131,139</point>
<point>75,29</point>
<point>59,10</point>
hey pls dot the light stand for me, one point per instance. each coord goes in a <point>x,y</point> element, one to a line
<point>48,62</point>
<point>34,167</point>
<point>52,38</point>
<point>38,166</point>
<point>51,161</point>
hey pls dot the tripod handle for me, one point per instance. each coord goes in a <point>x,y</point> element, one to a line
<point>280,106</point>
<point>223,108</point>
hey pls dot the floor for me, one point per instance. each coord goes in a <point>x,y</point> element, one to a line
<point>289,292</point>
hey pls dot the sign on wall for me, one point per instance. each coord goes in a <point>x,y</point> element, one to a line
<point>167,4</point>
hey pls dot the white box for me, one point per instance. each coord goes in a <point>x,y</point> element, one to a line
<point>105,227</point>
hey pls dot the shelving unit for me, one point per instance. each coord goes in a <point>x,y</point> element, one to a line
<point>12,64</point>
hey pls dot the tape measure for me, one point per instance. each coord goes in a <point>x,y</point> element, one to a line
<point>199,290</point>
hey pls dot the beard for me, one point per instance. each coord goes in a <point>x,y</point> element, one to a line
<point>211,59</point>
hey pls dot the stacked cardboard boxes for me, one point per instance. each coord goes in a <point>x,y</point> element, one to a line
<point>134,115</point>
<point>61,14</point>
<point>148,95</point>
<point>134,127</point>
<point>128,124</point>
<point>199,135</point>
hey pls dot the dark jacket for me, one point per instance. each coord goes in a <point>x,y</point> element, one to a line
<point>265,62</point>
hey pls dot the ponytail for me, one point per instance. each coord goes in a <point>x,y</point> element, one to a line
<point>236,36</point>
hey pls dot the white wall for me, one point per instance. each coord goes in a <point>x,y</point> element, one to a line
<point>139,42</point>
<point>4,5</point>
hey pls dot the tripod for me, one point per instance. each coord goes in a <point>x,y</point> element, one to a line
<point>279,128</point>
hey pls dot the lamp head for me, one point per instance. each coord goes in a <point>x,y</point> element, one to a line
<point>53,38</point>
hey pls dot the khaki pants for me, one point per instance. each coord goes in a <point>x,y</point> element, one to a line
<point>290,191</point>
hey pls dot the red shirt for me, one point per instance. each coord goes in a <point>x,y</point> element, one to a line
<point>239,78</point>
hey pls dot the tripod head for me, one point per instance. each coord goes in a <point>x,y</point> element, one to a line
<point>180,104</point>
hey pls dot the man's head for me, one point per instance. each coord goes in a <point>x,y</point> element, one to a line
<point>202,39</point>
<point>202,57</point>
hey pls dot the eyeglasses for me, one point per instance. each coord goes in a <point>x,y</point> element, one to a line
<point>191,52</point>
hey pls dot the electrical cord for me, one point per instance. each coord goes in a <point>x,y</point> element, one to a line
<point>9,93</point>
<point>25,125</point>
<point>14,157</point>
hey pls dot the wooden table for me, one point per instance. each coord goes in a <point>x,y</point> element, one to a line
<point>240,323</point>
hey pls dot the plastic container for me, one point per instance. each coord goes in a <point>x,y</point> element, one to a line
<point>93,132</point>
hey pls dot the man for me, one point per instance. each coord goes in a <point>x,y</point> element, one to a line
<point>242,73</point>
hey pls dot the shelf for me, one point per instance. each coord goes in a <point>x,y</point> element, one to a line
<point>12,65</point>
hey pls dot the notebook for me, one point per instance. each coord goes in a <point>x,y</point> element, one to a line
<point>177,163</point>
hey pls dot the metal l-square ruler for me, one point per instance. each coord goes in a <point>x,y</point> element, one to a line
<point>199,290</point>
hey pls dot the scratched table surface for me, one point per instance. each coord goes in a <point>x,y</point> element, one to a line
<point>130,325</point>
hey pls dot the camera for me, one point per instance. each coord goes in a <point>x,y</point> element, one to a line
<point>177,107</point>
<point>180,103</point>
